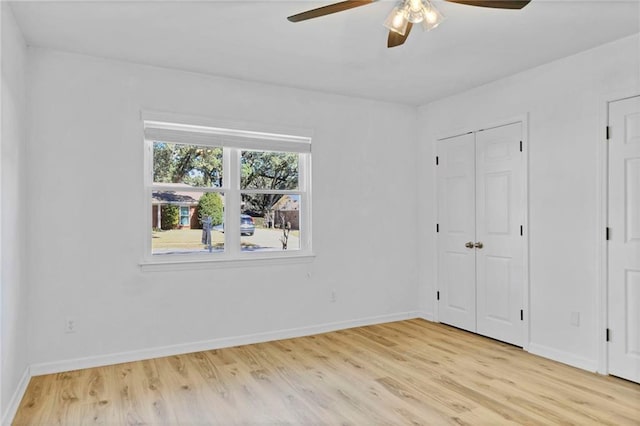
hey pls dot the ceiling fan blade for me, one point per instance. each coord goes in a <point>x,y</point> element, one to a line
<point>396,39</point>
<point>496,4</point>
<point>327,10</point>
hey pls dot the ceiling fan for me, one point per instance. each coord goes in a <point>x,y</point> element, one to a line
<point>406,13</point>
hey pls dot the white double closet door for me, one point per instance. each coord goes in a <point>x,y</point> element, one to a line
<point>481,211</point>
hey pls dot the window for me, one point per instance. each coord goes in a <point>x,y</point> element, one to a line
<point>184,216</point>
<point>269,186</point>
<point>225,194</point>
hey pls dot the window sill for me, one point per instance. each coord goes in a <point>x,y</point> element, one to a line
<point>195,264</point>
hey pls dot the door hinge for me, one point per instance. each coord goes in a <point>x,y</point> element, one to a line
<point>521,230</point>
<point>608,233</point>
<point>521,314</point>
<point>608,335</point>
<point>520,146</point>
<point>608,132</point>
<point>437,295</point>
<point>437,160</point>
<point>437,227</point>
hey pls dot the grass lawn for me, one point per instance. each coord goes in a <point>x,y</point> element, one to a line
<point>184,239</point>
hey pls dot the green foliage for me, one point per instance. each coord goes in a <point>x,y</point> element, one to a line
<point>194,165</point>
<point>210,204</point>
<point>169,216</point>
<point>201,166</point>
<point>267,170</point>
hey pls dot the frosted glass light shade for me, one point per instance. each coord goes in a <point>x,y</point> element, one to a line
<point>397,21</point>
<point>432,17</point>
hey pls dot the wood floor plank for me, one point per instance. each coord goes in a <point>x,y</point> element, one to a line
<point>406,372</point>
<point>337,389</point>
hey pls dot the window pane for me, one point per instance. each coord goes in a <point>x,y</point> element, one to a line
<point>187,165</point>
<point>269,170</point>
<point>185,216</point>
<point>274,227</point>
<point>178,218</point>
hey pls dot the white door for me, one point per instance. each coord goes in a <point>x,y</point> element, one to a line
<point>624,239</point>
<point>481,208</point>
<point>500,201</point>
<point>456,213</point>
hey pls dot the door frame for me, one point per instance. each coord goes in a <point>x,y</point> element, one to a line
<point>523,119</point>
<point>602,197</point>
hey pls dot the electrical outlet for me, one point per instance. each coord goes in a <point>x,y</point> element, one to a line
<point>70,325</point>
<point>334,296</point>
<point>575,319</point>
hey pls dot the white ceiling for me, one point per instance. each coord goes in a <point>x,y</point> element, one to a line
<point>343,53</point>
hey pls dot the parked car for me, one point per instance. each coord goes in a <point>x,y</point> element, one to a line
<point>247,225</point>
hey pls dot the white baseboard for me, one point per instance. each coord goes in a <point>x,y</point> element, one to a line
<point>225,342</point>
<point>545,352</point>
<point>12,408</point>
<point>564,357</point>
<point>426,316</point>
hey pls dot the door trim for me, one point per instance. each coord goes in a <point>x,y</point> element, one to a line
<point>523,119</point>
<point>602,197</point>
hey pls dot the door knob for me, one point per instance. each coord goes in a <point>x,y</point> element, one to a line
<point>469,245</point>
<point>479,245</point>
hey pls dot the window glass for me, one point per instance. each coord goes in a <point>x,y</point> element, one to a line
<point>277,228</point>
<point>184,216</point>
<point>187,165</point>
<point>269,170</point>
<point>182,229</point>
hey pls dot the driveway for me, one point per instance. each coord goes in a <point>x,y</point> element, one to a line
<point>269,239</point>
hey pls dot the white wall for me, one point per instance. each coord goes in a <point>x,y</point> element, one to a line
<point>86,213</point>
<point>564,100</point>
<point>13,288</point>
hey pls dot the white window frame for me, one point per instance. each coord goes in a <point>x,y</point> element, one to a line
<point>180,215</point>
<point>233,142</point>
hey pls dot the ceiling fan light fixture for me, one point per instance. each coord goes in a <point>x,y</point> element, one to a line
<point>422,11</point>
<point>397,20</point>
<point>415,10</point>
<point>405,14</point>
<point>414,16</point>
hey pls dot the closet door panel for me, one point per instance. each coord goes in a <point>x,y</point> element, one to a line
<point>456,220</point>
<point>623,280</point>
<point>500,200</point>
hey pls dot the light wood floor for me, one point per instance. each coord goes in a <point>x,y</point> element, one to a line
<point>409,372</point>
